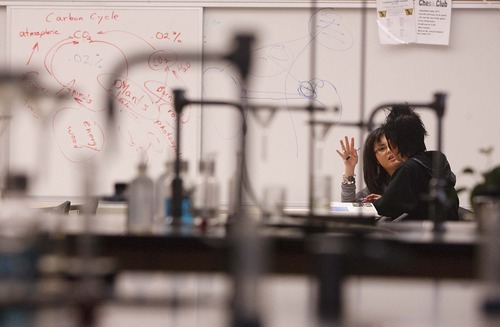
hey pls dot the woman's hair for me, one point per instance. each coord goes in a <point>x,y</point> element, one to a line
<point>376,177</point>
<point>405,130</point>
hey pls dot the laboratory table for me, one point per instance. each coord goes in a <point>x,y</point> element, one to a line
<point>386,249</point>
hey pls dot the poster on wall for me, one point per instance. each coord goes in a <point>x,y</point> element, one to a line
<point>396,22</point>
<point>408,21</point>
<point>433,21</point>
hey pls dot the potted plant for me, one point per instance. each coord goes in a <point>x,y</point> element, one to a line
<point>489,185</point>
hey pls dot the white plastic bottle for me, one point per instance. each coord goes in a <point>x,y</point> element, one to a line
<point>140,203</point>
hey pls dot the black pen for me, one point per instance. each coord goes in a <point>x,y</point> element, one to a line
<point>349,156</point>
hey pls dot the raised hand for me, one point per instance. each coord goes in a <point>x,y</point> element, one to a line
<point>349,154</point>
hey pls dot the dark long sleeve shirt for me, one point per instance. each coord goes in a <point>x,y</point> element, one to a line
<point>409,186</point>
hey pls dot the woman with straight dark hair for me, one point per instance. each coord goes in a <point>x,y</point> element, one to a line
<point>378,166</point>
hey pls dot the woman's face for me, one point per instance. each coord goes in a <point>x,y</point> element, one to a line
<point>384,156</point>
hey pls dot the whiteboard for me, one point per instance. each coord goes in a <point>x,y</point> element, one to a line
<point>466,70</point>
<point>74,52</point>
<point>283,74</point>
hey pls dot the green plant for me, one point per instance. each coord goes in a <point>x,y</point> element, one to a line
<point>490,182</point>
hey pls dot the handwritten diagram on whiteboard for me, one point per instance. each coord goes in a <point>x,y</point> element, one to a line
<point>135,56</point>
<point>282,76</point>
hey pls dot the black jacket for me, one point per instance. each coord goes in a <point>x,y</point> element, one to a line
<point>408,189</point>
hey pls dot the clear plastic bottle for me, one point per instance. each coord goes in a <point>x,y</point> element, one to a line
<point>140,202</point>
<point>16,218</point>
<point>164,194</point>
<point>206,196</point>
